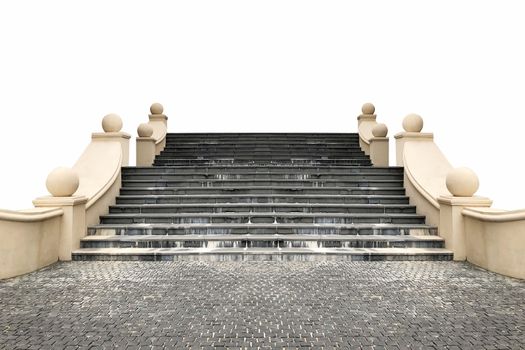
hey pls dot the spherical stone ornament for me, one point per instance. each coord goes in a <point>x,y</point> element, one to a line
<point>156,108</point>
<point>112,123</point>
<point>413,123</point>
<point>380,130</point>
<point>145,130</point>
<point>368,108</point>
<point>462,182</point>
<point>62,182</point>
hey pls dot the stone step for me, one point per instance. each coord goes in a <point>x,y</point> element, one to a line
<point>260,218</point>
<point>321,137</point>
<point>263,190</point>
<point>150,175</point>
<point>305,138</point>
<point>177,147</point>
<point>261,241</point>
<point>231,161</point>
<point>236,169</point>
<point>265,254</point>
<point>258,183</point>
<point>270,198</point>
<point>277,149</point>
<point>244,146</point>
<point>262,140</point>
<point>263,156</point>
<point>305,229</point>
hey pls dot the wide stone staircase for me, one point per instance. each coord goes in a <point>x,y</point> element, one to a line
<point>271,196</point>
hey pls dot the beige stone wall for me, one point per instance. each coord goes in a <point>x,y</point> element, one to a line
<point>495,240</point>
<point>29,240</point>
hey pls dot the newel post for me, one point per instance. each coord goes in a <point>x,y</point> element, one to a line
<point>145,145</point>
<point>462,183</point>
<point>412,124</point>
<point>379,145</point>
<point>62,183</point>
<point>112,124</point>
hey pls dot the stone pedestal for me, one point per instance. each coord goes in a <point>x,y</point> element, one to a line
<point>451,222</point>
<point>379,151</point>
<point>145,151</point>
<point>73,224</point>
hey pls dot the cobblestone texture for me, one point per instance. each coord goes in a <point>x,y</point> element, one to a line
<point>198,305</point>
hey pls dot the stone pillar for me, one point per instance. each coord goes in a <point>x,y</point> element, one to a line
<point>62,183</point>
<point>365,123</point>
<point>112,124</point>
<point>462,183</point>
<point>145,145</point>
<point>413,124</point>
<point>379,146</point>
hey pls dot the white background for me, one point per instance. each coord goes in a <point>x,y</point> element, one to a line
<point>230,66</point>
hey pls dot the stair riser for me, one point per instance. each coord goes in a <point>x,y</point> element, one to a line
<point>251,137</point>
<point>265,154</point>
<point>265,170</point>
<point>270,183</point>
<point>130,231</point>
<point>228,148</point>
<point>261,209</point>
<point>222,162</point>
<point>259,183</point>
<point>270,219</point>
<point>262,199</point>
<point>254,148</point>
<point>302,191</point>
<point>255,176</point>
<point>263,257</point>
<point>260,244</point>
<point>287,140</point>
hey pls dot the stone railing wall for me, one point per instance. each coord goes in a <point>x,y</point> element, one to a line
<point>34,238</point>
<point>490,238</point>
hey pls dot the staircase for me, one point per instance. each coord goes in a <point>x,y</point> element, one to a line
<point>262,197</point>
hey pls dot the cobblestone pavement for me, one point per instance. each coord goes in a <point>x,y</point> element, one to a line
<point>383,305</point>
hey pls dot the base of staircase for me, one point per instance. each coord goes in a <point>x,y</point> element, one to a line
<point>261,254</point>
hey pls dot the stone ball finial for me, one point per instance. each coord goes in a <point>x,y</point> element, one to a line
<point>462,182</point>
<point>145,130</point>
<point>112,123</point>
<point>156,108</point>
<point>380,130</point>
<point>368,108</point>
<point>62,182</point>
<point>413,123</point>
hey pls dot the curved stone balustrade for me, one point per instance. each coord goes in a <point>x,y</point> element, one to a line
<point>159,123</point>
<point>425,170</point>
<point>492,239</point>
<point>34,238</point>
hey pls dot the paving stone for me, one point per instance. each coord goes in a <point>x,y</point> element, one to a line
<point>262,305</point>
